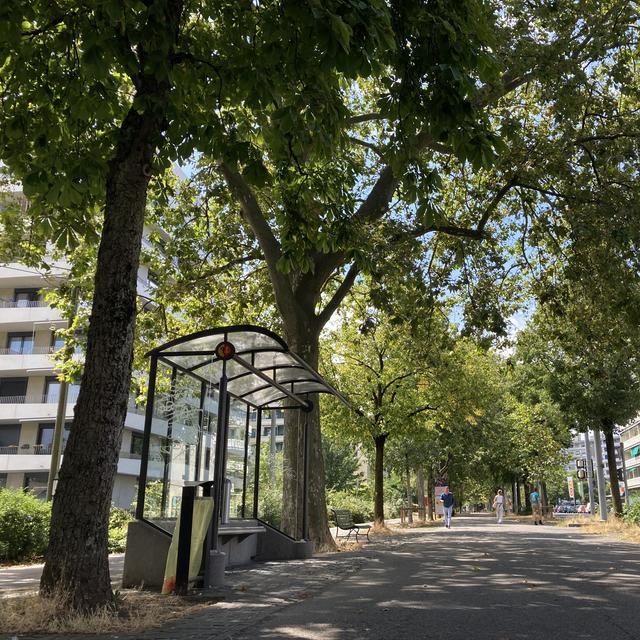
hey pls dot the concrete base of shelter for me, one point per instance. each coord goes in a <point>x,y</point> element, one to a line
<point>240,543</point>
<point>275,545</point>
<point>146,555</point>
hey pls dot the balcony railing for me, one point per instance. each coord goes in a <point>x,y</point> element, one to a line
<point>22,304</point>
<point>26,450</point>
<point>38,399</point>
<point>37,351</point>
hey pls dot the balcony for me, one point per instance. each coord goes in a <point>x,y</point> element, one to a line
<point>26,450</point>
<point>40,407</point>
<point>16,314</point>
<point>37,359</point>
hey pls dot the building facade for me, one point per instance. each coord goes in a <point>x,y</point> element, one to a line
<point>30,389</point>
<point>630,437</point>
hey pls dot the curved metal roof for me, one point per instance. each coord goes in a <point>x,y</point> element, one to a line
<point>263,369</point>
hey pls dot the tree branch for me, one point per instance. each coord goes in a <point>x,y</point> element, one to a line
<point>368,145</point>
<point>330,308</point>
<point>464,232</point>
<point>421,409</point>
<point>254,217</point>
<point>364,117</point>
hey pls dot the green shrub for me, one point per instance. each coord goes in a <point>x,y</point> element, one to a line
<point>631,513</point>
<point>24,525</point>
<point>119,520</point>
<point>359,502</point>
<point>270,505</point>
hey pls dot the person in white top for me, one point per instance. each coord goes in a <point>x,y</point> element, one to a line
<point>498,505</point>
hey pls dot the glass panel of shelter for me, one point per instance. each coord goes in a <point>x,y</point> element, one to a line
<point>183,441</point>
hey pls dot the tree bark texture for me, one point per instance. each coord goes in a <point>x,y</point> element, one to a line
<point>378,472</point>
<point>607,429</point>
<point>76,562</point>
<point>420,490</point>
<point>306,343</point>
<point>430,496</point>
<point>527,499</point>
<point>409,495</point>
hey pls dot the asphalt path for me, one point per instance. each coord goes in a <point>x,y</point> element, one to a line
<point>477,580</point>
<point>19,580</point>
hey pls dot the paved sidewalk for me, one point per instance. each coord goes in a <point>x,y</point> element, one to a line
<point>20,580</point>
<point>476,581</point>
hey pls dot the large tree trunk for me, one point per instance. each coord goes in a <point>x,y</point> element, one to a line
<point>527,499</point>
<point>607,429</point>
<point>409,494</point>
<point>430,495</point>
<point>77,562</point>
<point>420,491</point>
<point>306,344</point>
<point>378,492</point>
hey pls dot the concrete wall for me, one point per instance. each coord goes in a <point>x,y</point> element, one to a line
<point>146,556</point>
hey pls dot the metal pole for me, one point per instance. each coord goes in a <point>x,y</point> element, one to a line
<point>219,458</point>
<point>602,495</point>
<point>587,445</point>
<point>203,393</point>
<point>305,479</point>
<point>148,419</point>
<point>246,460</point>
<point>58,438</point>
<point>168,443</point>
<point>58,430</point>
<point>624,475</point>
<point>256,474</point>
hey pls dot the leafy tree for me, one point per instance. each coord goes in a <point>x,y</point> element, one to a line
<point>377,366</point>
<point>98,97</point>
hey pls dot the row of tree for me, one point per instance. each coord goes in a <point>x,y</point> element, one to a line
<point>440,149</point>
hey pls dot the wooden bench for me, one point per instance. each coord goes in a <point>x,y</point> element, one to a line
<point>344,521</point>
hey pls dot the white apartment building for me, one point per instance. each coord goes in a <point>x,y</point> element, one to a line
<point>630,437</point>
<point>30,390</point>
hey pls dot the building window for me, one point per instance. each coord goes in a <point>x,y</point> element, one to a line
<point>45,436</point>
<point>136,445</point>
<point>3,480</point>
<point>20,343</point>
<point>37,484</point>
<point>52,391</point>
<point>9,438</point>
<point>14,388</point>
<point>25,296</point>
<point>57,341</point>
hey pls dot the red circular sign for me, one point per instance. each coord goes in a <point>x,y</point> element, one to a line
<point>225,350</point>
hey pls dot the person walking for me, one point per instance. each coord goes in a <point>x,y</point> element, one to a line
<point>448,501</point>
<point>499,505</point>
<point>536,506</point>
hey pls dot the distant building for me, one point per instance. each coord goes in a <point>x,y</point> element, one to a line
<point>630,437</point>
<point>30,388</point>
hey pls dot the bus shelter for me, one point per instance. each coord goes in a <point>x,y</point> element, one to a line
<point>203,422</point>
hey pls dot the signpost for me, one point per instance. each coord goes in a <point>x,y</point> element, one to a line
<point>572,493</point>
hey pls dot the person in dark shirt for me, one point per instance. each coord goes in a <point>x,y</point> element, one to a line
<point>448,502</point>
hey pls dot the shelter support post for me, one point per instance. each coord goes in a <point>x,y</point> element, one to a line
<point>203,394</point>
<point>168,444</point>
<point>223,416</point>
<point>148,419</point>
<point>256,475</point>
<point>246,460</point>
<point>305,478</point>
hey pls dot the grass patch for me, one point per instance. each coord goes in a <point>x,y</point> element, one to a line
<point>134,611</point>
<point>614,527</point>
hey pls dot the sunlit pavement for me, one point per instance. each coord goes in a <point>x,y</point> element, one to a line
<point>19,580</point>
<point>476,581</point>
